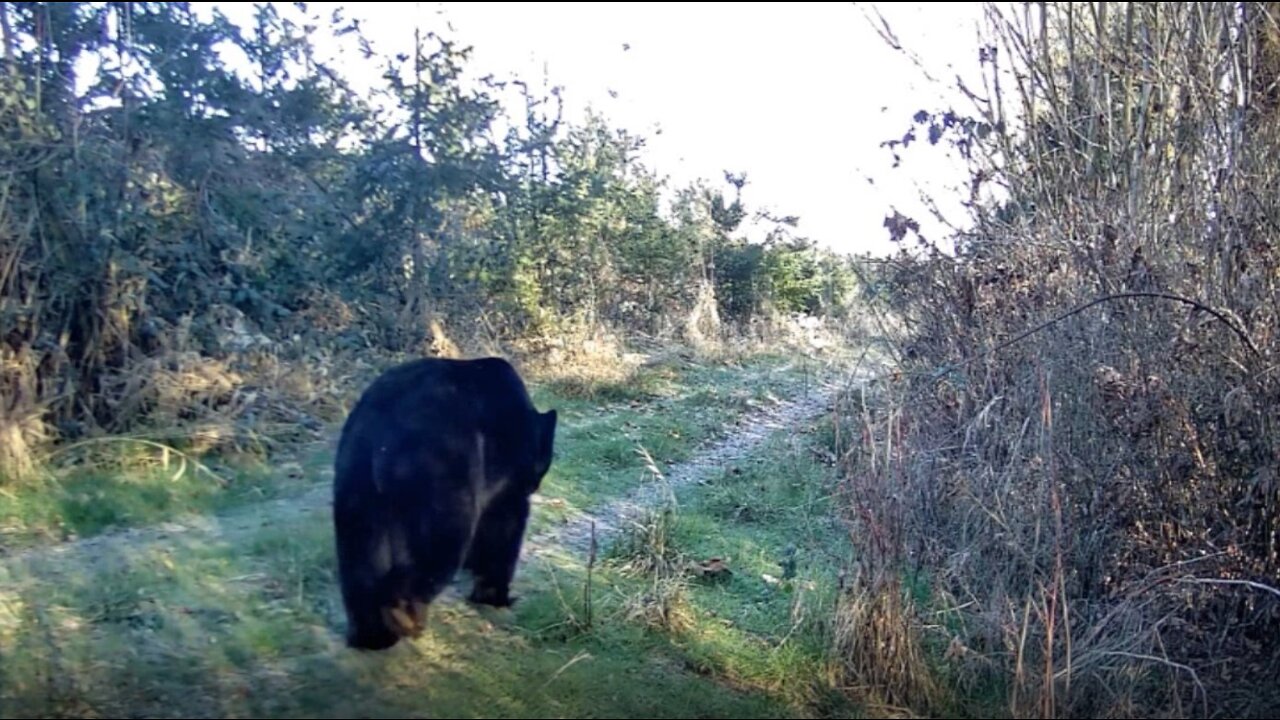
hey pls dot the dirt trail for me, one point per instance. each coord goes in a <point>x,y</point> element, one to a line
<point>235,526</point>
<point>753,428</point>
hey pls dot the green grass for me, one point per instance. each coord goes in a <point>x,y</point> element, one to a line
<point>142,490</point>
<point>668,409</point>
<point>210,626</point>
<point>599,451</point>
<point>769,520</point>
<point>249,632</point>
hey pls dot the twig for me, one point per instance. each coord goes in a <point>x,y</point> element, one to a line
<point>591,563</point>
<point>1244,337</point>
<point>141,441</point>
<point>1195,677</point>
<point>1246,583</point>
<point>583,655</point>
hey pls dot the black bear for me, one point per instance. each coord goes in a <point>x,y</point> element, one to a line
<point>433,473</point>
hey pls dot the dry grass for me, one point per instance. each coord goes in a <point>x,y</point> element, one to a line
<point>1088,513</point>
<point>647,550</point>
<point>580,364</point>
<point>22,427</point>
<point>881,648</point>
<point>254,396</point>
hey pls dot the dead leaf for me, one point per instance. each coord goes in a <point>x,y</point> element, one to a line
<point>714,569</point>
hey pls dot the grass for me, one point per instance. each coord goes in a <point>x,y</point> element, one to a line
<point>764,627</point>
<point>249,632</point>
<point>141,490</point>
<point>250,625</point>
<point>128,483</point>
<point>600,455</point>
<point>770,523</point>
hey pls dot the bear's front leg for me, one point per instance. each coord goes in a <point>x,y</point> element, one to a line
<point>496,550</point>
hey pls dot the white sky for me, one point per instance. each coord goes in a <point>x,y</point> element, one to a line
<point>797,95</point>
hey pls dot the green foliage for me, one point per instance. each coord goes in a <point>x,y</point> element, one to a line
<point>179,185</point>
<point>788,274</point>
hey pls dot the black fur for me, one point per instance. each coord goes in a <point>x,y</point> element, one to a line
<point>434,471</point>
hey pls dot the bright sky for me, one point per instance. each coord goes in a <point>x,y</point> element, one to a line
<point>797,95</point>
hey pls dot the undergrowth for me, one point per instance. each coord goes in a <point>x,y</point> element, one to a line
<point>1065,499</point>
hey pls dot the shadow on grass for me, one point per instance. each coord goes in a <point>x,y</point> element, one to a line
<point>199,627</point>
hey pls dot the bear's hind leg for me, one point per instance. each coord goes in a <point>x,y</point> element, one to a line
<point>363,573</point>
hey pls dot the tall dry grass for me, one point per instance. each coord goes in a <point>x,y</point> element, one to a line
<point>1084,520</point>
